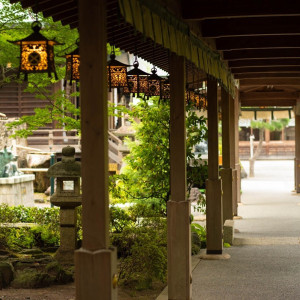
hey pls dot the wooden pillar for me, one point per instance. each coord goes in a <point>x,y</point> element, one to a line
<point>267,140</point>
<point>226,171</point>
<point>178,208</point>
<point>297,149</point>
<point>237,156</point>
<point>95,261</point>
<point>214,219</point>
<point>234,149</point>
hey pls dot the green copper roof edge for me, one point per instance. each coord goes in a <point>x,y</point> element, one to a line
<point>140,14</point>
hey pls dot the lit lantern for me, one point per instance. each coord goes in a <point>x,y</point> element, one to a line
<point>166,89</point>
<point>154,84</point>
<point>116,72</point>
<point>200,101</point>
<point>137,80</point>
<point>189,95</point>
<point>72,66</point>
<point>36,52</point>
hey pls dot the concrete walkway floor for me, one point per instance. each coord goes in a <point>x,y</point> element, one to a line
<point>265,258</point>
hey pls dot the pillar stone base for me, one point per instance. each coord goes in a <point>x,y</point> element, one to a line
<point>179,250</point>
<point>96,274</point>
<point>214,219</point>
<point>227,184</point>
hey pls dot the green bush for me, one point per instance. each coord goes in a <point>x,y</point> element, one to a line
<point>45,234</point>
<point>146,253</point>
<point>201,232</point>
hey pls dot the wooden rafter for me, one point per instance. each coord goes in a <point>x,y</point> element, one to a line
<point>264,62</point>
<point>269,95</point>
<point>251,26</point>
<point>261,53</point>
<point>267,102</point>
<point>271,81</point>
<point>206,9</point>
<point>265,69</point>
<point>257,42</point>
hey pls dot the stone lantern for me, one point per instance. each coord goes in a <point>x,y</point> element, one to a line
<point>67,197</point>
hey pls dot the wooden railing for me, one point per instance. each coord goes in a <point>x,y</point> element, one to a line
<point>54,137</point>
<point>60,137</point>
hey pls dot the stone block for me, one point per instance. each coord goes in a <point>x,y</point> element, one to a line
<point>67,238</point>
<point>229,231</point>
<point>17,190</point>
<point>68,216</point>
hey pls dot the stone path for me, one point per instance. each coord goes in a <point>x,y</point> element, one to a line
<point>266,264</point>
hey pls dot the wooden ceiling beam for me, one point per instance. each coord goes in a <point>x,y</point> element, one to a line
<point>261,53</point>
<point>281,41</point>
<point>206,9</point>
<point>265,69</point>
<point>270,81</point>
<point>268,95</point>
<point>269,102</point>
<point>250,26</point>
<point>267,75</point>
<point>65,15</point>
<point>64,6</point>
<point>264,62</point>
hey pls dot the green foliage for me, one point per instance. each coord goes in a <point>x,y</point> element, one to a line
<point>22,214</point>
<point>18,238</point>
<point>201,232</point>
<point>227,245</point>
<point>119,219</point>
<point>146,175</point>
<point>201,204</point>
<point>43,235</point>
<point>272,125</point>
<point>146,259</point>
<point>59,109</point>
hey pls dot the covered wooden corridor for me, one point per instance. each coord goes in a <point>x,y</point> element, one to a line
<point>249,49</point>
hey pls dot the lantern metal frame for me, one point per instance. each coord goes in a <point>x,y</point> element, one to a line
<point>73,65</point>
<point>116,72</point>
<point>154,84</point>
<point>137,80</point>
<point>36,53</point>
<point>166,89</point>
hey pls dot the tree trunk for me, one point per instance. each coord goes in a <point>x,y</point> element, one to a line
<point>256,154</point>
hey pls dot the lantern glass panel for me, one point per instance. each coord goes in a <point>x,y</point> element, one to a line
<point>117,76</point>
<point>72,67</point>
<point>166,89</point>
<point>116,73</point>
<point>34,57</point>
<point>68,185</point>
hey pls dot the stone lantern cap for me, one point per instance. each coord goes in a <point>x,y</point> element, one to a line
<point>67,167</point>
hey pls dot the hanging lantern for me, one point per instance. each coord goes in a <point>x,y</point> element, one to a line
<point>166,89</point>
<point>154,84</point>
<point>137,80</point>
<point>37,54</point>
<point>116,72</point>
<point>200,101</point>
<point>189,95</point>
<point>72,65</point>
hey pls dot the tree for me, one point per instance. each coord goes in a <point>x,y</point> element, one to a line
<point>147,170</point>
<point>262,125</point>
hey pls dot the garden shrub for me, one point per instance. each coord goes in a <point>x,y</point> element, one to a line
<point>146,253</point>
<point>201,232</point>
<point>45,234</point>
